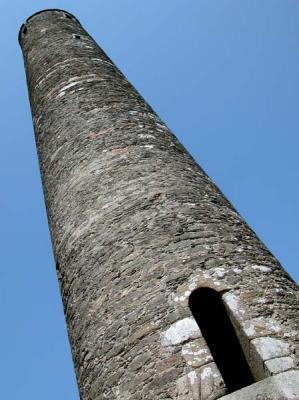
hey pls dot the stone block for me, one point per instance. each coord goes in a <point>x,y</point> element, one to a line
<point>211,383</point>
<point>235,308</point>
<point>283,386</point>
<point>188,386</point>
<point>258,327</point>
<point>197,353</point>
<point>180,332</point>
<point>264,349</point>
<point>268,347</point>
<point>277,365</point>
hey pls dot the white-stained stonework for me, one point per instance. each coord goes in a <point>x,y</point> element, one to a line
<point>236,308</point>
<point>188,386</point>
<point>262,268</point>
<point>136,226</point>
<point>266,354</point>
<point>181,331</point>
<point>196,353</point>
<point>258,327</point>
<point>204,383</point>
<point>211,383</point>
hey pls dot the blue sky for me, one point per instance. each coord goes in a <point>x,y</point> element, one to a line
<point>223,75</point>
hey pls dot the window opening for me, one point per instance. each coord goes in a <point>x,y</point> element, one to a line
<point>68,16</point>
<point>25,30</point>
<point>77,36</point>
<point>211,316</point>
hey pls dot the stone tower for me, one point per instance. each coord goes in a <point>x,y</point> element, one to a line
<point>168,294</point>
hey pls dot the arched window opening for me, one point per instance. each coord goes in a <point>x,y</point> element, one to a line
<point>210,314</point>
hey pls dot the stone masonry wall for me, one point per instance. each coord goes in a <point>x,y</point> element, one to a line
<point>136,226</point>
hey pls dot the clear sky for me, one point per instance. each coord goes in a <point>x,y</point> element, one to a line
<point>223,75</point>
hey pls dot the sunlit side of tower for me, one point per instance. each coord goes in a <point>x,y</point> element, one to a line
<point>167,293</point>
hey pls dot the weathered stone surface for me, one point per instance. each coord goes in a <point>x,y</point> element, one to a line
<point>196,353</point>
<point>269,348</point>
<point>263,349</point>
<point>132,218</point>
<point>260,327</point>
<point>201,384</point>
<point>211,383</point>
<point>181,331</point>
<point>277,365</point>
<point>188,386</point>
<point>205,279</point>
<point>237,310</point>
<point>284,386</point>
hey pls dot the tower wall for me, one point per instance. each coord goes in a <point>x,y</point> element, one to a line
<point>137,226</point>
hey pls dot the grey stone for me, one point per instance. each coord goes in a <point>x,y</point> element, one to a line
<point>196,353</point>
<point>277,365</point>
<point>181,331</point>
<point>268,347</point>
<point>284,386</point>
<point>263,349</point>
<point>211,383</point>
<point>132,218</point>
<point>260,327</point>
<point>188,386</point>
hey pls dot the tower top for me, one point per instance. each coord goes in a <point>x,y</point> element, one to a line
<point>58,10</point>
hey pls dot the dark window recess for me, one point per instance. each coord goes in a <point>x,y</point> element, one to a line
<point>25,30</point>
<point>68,16</point>
<point>210,314</point>
<point>58,272</point>
<point>77,36</point>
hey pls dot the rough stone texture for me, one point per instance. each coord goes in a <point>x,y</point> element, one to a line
<point>264,349</point>
<point>284,386</point>
<point>270,348</point>
<point>196,353</point>
<point>181,331</point>
<point>211,383</point>
<point>277,365</point>
<point>188,386</point>
<point>136,224</point>
<point>203,383</point>
<point>259,327</point>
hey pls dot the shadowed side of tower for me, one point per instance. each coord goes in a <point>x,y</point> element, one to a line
<point>137,227</point>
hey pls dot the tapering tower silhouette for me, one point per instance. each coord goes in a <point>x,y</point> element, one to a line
<point>167,293</point>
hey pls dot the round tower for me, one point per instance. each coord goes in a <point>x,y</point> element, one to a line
<point>168,294</point>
